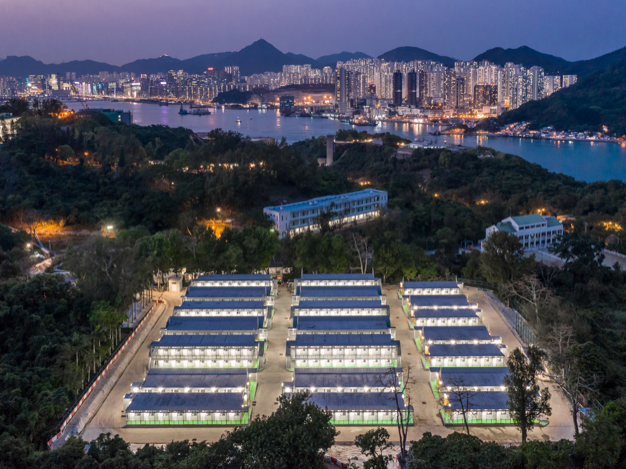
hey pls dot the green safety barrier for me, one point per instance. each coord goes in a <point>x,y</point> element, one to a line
<point>425,363</point>
<point>435,388</point>
<point>418,343</point>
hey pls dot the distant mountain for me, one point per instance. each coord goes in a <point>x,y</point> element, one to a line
<point>596,100</point>
<point>14,66</point>
<point>332,59</point>
<point>586,67</point>
<point>407,54</point>
<point>260,57</point>
<point>148,66</point>
<point>201,63</point>
<point>527,57</point>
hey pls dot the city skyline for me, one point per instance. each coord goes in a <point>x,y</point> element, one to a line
<point>141,32</point>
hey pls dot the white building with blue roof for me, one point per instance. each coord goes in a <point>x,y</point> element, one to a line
<point>291,219</point>
<point>534,231</point>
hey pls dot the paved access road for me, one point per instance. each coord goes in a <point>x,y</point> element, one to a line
<point>108,418</point>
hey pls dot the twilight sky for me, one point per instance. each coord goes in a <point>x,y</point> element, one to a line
<point>120,31</point>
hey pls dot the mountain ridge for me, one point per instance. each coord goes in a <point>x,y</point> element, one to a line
<point>261,56</point>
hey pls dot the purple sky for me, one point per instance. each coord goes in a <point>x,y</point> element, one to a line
<point>120,31</point>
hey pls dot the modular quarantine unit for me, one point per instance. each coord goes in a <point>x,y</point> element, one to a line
<point>337,293</point>
<point>360,380</point>
<point>303,325</point>
<point>431,288</point>
<point>180,325</point>
<point>340,308</point>
<point>337,280</point>
<point>446,317</point>
<point>229,294</point>
<point>187,409</point>
<point>237,280</point>
<point>460,355</point>
<point>454,335</point>
<point>484,408</point>
<point>416,302</point>
<point>357,408</point>
<point>225,309</point>
<point>207,351</point>
<point>472,379</point>
<point>343,350</point>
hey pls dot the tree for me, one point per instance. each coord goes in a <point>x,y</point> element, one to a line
<point>399,386</point>
<point>361,246</point>
<point>602,439</point>
<point>503,258</point>
<point>317,253</point>
<point>462,395</point>
<point>526,401</point>
<point>565,358</point>
<point>393,258</point>
<point>297,434</point>
<point>531,291</point>
<point>373,444</point>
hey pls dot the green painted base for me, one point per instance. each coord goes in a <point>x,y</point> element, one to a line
<point>394,364</point>
<point>399,295</point>
<point>368,422</point>
<point>435,389</point>
<point>495,422</point>
<point>410,323</point>
<point>405,308</point>
<point>418,343</point>
<point>253,386</point>
<point>255,365</point>
<point>425,364</point>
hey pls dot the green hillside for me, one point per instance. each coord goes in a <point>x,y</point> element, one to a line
<point>595,101</point>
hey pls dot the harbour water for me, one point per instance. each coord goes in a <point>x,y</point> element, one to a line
<point>584,161</point>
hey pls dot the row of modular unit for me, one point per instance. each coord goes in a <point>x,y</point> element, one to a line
<point>343,350</point>
<point>203,369</point>
<point>356,396</point>
<point>466,363</point>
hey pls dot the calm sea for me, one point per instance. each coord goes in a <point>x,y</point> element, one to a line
<point>582,160</point>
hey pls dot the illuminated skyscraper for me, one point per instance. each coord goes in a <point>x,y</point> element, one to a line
<point>412,88</point>
<point>485,95</point>
<point>397,88</point>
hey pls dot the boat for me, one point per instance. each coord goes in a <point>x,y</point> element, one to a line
<point>183,112</point>
<point>238,120</point>
<point>163,103</point>
<point>201,112</point>
<point>364,123</point>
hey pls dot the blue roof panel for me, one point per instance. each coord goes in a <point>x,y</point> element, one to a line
<point>456,333</point>
<point>355,401</point>
<point>338,292</point>
<point>464,350</point>
<point>221,305</point>
<point>486,400</point>
<point>243,340</point>
<point>346,304</point>
<point>186,323</point>
<point>186,402</point>
<point>356,340</point>
<point>227,292</point>
<point>217,278</point>
<point>324,323</point>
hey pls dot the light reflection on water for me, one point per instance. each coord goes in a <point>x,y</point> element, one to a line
<point>583,160</point>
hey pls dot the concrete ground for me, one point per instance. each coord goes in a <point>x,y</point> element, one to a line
<point>109,416</point>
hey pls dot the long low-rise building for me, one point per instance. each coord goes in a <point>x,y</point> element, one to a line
<point>298,217</point>
<point>445,317</point>
<point>340,308</point>
<point>180,325</point>
<point>454,335</point>
<point>490,378</point>
<point>356,408</point>
<point>343,350</point>
<point>338,293</point>
<point>342,380</point>
<point>224,309</point>
<point>187,409</point>
<point>228,294</point>
<point>415,302</point>
<point>206,351</point>
<point>340,325</point>
<point>431,288</point>
<point>236,380</point>
<point>237,280</point>
<point>337,280</point>
<point>460,355</point>
<point>484,408</point>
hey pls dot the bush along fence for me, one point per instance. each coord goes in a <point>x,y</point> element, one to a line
<point>94,381</point>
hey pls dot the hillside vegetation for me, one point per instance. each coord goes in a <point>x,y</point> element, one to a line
<point>595,101</point>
